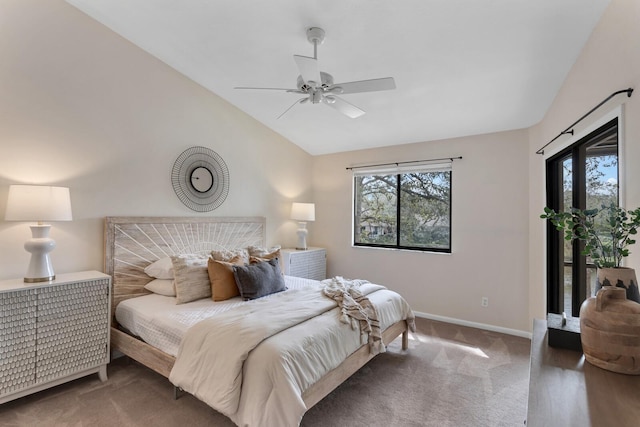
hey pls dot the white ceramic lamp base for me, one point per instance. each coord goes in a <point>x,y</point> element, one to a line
<point>302,236</point>
<point>40,244</point>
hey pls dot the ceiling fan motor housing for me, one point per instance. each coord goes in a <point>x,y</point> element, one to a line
<point>326,82</point>
<point>316,92</point>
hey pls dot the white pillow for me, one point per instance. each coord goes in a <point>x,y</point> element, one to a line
<point>161,269</point>
<point>161,287</point>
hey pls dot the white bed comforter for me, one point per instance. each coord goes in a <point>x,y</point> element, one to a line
<point>253,363</point>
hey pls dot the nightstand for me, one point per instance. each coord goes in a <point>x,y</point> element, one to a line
<point>310,264</point>
<point>53,332</point>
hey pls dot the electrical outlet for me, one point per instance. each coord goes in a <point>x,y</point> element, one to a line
<point>485,302</point>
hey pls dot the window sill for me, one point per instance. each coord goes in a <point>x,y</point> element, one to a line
<point>402,250</point>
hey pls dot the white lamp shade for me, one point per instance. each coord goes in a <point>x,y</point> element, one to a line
<point>38,203</point>
<point>303,211</point>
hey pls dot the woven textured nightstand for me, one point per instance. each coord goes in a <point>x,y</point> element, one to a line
<point>51,333</point>
<point>310,264</point>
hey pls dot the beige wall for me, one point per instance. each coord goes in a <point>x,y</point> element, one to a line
<point>82,107</point>
<point>489,222</point>
<point>610,61</point>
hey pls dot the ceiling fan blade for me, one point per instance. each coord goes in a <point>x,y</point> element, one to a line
<point>266,88</point>
<point>373,85</point>
<point>343,106</point>
<point>308,68</point>
<point>299,101</point>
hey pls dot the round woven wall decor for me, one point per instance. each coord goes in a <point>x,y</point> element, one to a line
<point>200,179</point>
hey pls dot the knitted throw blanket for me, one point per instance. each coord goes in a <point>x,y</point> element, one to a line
<point>356,309</point>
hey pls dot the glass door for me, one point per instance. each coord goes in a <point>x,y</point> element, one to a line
<point>584,176</point>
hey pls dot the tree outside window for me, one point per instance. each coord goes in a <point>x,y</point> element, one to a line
<point>409,210</point>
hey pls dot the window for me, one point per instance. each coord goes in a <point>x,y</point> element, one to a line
<point>403,208</point>
<point>585,176</point>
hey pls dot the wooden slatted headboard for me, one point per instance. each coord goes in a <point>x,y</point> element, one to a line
<point>132,243</point>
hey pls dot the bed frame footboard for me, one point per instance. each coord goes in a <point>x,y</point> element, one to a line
<point>332,379</point>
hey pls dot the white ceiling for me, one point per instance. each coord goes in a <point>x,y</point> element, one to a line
<point>461,67</point>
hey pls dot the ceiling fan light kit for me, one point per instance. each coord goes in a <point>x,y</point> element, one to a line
<point>318,86</point>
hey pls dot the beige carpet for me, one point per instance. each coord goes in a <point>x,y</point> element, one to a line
<point>451,376</point>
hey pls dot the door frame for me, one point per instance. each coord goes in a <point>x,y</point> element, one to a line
<point>552,299</point>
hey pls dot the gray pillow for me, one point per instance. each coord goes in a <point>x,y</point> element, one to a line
<point>259,280</point>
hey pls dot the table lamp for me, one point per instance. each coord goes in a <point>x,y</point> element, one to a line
<point>38,203</point>
<point>303,212</point>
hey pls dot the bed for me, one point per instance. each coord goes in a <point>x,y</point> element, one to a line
<point>283,376</point>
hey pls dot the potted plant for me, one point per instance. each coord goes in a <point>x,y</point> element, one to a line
<point>607,232</point>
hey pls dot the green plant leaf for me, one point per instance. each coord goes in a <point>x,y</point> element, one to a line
<point>606,239</point>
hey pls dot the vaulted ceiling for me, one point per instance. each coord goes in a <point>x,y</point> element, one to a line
<point>461,67</point>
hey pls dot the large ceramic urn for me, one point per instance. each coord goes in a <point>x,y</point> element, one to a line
<point>610,331</point>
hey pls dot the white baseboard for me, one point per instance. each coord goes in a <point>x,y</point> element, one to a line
<point>486,327</point>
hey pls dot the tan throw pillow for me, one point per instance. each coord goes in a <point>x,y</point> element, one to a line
<point>223,284</point>
<point>191,277</point>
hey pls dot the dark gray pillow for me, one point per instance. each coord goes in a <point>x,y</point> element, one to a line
<point>260,279</point>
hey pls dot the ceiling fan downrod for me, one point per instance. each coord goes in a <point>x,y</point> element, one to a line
<point>315,35</point>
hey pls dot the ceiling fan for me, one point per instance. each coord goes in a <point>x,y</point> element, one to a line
<point>318,86</point>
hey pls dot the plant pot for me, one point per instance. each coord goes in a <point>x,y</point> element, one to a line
<point>621,277</point>
<point>610,331</point>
